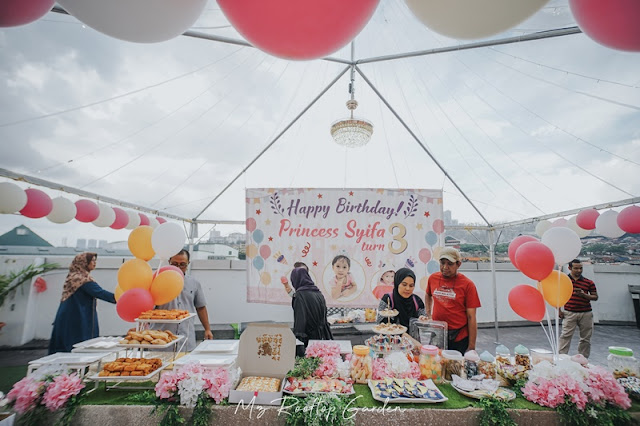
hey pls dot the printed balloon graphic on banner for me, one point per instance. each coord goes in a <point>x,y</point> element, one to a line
<point>251,224</point>
<point>251,251</point>
<point>423,283</point>
<point>265,251</point>
<point>438,226</point>
<point>431,238</point>
<point>424,255</point>
<point>258,236</point>
<point>433,267</point>
<point>258,263</point>
<point>265,278</point>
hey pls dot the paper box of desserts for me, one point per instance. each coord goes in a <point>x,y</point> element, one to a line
<point>266,353</point>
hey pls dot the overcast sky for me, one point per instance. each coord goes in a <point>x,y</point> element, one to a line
<point>524,129</point>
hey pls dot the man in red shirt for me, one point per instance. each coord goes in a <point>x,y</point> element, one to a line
<point>452,297</point>
<point>577,311</point>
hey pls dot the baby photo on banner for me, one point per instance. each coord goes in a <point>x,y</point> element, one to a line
<point>352,240</point>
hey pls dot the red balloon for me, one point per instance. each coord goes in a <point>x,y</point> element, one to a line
<point>21,12</point>
<point>612,23</point>
<point>144,220</point>
<point>87,211</point>
<point>586,219</point>
<point>299,29</point>
<point>629,219</point>
<point>515,244</point>
<point>38,204</point>
<point>133,302</point>
<point>160,220</point>
<point>122,219</point>
<point>535,260</point>
<point>527,302</point>
<point>168,268</point>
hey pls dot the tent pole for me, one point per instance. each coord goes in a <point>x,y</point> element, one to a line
<point>393,111</point>
<point>304,110</point>
<point>492,249</point>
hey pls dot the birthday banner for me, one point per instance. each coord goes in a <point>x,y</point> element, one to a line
<point>352,241</point>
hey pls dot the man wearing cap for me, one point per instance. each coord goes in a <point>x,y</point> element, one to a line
<point>452,297</point>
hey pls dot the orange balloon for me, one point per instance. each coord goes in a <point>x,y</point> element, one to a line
<point>118,292</point>
<point>166,287</point>
<point>556,289</point>
<point>140,242</point>
<point>135,273</point>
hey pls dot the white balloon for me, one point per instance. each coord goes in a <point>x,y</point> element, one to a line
<point>167,240</point>
<point>64,210</point>
<point>140,21</point>
<point>472,19</point>
<point>564,243</point>
<point>153,222</point>
<point>542,227</point>
<point>607,224</point>
<point>134,220</point>
<point>559,223</point>
<point>573,225</point>
<point>106,217</point>
<point>12,198</point>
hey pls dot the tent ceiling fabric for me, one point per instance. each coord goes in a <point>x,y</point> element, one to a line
<point>523,129</point>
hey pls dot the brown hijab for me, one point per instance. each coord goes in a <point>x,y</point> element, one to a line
<point>78,274</point>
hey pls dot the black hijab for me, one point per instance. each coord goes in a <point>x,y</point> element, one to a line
<point>406,307</point>
<point>301,281</point>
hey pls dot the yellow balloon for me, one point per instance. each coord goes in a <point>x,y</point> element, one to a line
<point>118,292</point>
<point>135,273</point>
<point>556,289</point>
<point>140,242</point>
<point>423,283</point>
<point>436,254</point>
<point>265,278</point>
<point>166,287</point>
<point>251,251</point>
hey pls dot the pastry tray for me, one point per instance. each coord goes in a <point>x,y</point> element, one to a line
<point>96,377</point>
<point>403,400</point>
<point>165,321</point>
<point>141,346</point>
<point>502,393</point>
<point>97,344</point>
<point>73,360</point>
<point>218,346</point>
<point>284,390</point>
<point>402,330</point>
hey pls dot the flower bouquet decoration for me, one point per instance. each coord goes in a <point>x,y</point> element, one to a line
<point>395,365</point>
<point>48,391</point>
<point>322,370</point>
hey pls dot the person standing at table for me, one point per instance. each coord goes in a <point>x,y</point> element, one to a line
<point>77,318</point>
<point>402,299</point>
<point>577,311</point>
<point>285,282</point>
<point>452,297</point>
<point>190,299</point>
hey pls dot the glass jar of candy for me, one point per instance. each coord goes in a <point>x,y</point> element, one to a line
<point>622,362</point>
<point>430,363</point>
<point>361,364</point>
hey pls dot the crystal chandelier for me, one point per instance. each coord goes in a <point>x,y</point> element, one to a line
<point>352,132</point>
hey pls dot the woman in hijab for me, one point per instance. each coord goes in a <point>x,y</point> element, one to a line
<point>309,310</point>
<point>402,299</point>
<point>77,319</point>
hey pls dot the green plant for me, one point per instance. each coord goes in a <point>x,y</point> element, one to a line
<point>14,280</point>
<point>305,367</point>
<point>519,384</point>
<point>201,415</point>
<point>494,412</point>
<point>317,410</point>
<point>604,415</point>
<point>70,409</point>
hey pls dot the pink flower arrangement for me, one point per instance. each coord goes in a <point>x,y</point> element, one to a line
<point>603,387</point>
<point>329,353</point>
<point>53,392</point>
<point>190,381</point>
<point>552,392</point>
<point>60,390</point>
<point>25,394</point>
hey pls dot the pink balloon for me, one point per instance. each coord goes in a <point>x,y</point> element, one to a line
<point>168,268</point>
<point>122,219</point>
<point>559,223</point>
<point>299,29</point>
<point>535,260</point>
<point>612,23</point>
<point>424,255</point>
<point>438,226</point>
<point>527,302</point>
<point>515,244</point>
<point>21,12</point>
<point>160,220</point>
<point>586,219</point>
<point>133,302</point>
<point>629,219</point>
<point>144,220</point>
<point>251,224</point>
<point>86,211</point>
<point>265,251</point>
<point>38,204</point>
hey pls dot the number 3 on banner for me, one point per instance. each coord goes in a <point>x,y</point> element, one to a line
<point>402,231</point>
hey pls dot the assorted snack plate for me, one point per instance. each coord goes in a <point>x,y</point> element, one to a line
<point>150,345</point>
<point>149,339</point>
<point>406,391</point>
<point>388,313</point>
<point>123,369</point>
<point>301,387</point>
<point>385,328</point>
<point>165,321</point>
<point>389,343</point>
<point>504,394</point>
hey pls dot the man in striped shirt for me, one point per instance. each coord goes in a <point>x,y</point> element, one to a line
<point>577,311</point>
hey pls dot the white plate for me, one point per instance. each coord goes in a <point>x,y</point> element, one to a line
<point>104,342</point>
<point>225,346</point>
<point>207,360</point>
<point>70,359</point>
<point>135,346</point>
<point>165,321</point>
<point>402,400</point>
<point>95,377</point>
<point>401,329</point>
<point>502,393</point>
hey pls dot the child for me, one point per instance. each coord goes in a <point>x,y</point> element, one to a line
<point>385,285</point>
<point>342,285</point>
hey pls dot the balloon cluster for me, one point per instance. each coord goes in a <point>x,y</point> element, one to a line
<point>258,253</point>
<point>610,223</point>
<point>35,204</point>
<point>139,288</point>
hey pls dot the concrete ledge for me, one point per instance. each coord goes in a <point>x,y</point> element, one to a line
<point>107,415</point>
